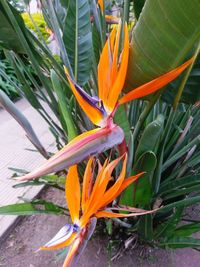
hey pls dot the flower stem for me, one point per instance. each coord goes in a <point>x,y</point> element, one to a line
<point>126,10</point>
<point>184,80</point>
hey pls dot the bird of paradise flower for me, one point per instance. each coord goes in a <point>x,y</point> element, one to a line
<point>93,203</point>
<point>101,109</point>
<point>108,18</point>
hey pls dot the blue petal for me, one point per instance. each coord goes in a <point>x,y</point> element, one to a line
<point>93,101</point>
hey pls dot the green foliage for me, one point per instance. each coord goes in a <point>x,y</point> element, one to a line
<point>187,229</point>
<point>181,242</point>
<point>34,207</point>
<point>8,79</point>
<point>191,90</point>
<point>9,106</point>
<point>162,39</point>
<point>67,119</point>
<point>36,22</point>
<point>177,148</point>
<point>124,124</point>
<point>78,42</point>
<point>140,192</point>
<point>150,136</point>
<point>8,36</point>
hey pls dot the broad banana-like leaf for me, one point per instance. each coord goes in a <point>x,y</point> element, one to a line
<point>162,38</point>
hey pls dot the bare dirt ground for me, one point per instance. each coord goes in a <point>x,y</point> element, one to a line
<point>19,249</point>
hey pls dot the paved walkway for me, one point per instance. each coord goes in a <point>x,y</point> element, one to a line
<point>13,153</point>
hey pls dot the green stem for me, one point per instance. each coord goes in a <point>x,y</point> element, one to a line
<point>64,108</point>
<point>184,80</point>
<point>126,10</point>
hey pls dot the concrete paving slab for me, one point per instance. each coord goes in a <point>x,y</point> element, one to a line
<point>13,153</point>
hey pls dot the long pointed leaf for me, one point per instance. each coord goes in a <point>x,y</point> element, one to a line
<point>77,37</point>
<point>22,120</point>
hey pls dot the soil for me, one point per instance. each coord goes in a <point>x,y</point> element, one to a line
<point>19,249</point>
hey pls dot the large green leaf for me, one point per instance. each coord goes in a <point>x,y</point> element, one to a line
<point>10,107</point>
<point>181,203</point>
<point>188,229</point>
<point>36,207</point>
<point>8,36</point>
<point>77,37</point>
<point>184,182</point>
<point>167,228</point>
<point>145,160</point>
<point>145,227</point>
<point>181,242</point>
<point>150,136</point>
<point>50,180</point>
<point>68,123</point>
<point>121,119</point>
<point>142,187</point>
<point>163,36</point>
<point>140,192</point>
<point>60,8</point>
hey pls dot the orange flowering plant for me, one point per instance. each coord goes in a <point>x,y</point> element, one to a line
<point>101,54</point>
<point>92,203</point>
<point>100,109</point>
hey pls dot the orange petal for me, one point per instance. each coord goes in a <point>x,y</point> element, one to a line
<point>101,4</point>
<point>107,214</point>
<point>101,184</point>
<point>105,66</point>
<point>129,181</point>
<point>94,114</point>
<point>156,84</point>
<point>80,243</point>
<point>98,191</point>
<point>72,252</point>
<point>112,19</point>
<point>97,182</point>
<point>88,211</point>
<point>73,193</point>
<point>115,54</point>
<point>121,75</point>
<point>87,183</point>
<point>112,192</point>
